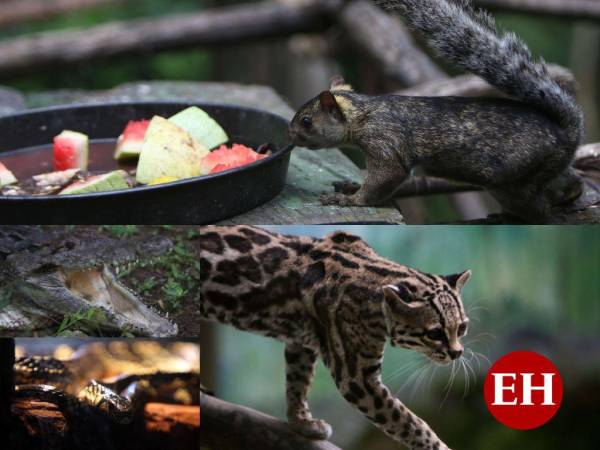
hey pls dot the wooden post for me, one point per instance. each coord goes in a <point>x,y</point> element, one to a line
<point>7,382</point>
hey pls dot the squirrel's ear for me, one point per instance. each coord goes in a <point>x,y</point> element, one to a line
<point>330,105</point>
<point>338,83</point>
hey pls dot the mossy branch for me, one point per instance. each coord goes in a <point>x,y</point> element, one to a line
<point>227,426</point>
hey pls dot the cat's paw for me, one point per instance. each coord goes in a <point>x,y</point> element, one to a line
<point>313,429</point>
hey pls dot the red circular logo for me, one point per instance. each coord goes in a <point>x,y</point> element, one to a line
<point>523,390</point>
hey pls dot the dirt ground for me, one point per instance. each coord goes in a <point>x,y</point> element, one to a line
<point>172,284</point>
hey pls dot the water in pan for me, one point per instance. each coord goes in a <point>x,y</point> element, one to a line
<point>31,161</point>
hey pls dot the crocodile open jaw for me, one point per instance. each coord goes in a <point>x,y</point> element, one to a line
<point>100,288</point>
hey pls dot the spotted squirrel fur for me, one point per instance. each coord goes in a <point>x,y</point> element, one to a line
<point>337,300</point>
<point>519,149</point>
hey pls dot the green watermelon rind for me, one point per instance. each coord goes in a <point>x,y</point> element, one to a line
<point>112,181</point>
<point>201,127</point>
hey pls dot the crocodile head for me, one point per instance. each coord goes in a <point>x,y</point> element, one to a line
<point>77,273</point>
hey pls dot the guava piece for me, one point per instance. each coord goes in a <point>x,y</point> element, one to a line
<point>168,151</point>
<point>71,151</point>
<point>6,176</point>
<point>201,127</point>
<point>112,181</point>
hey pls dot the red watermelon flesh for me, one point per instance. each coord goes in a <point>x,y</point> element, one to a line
<point>71,150</point>
<point>225,158</point>
<point>132,139</point>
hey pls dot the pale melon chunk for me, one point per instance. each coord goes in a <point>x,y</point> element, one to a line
<point>6,176</point>
<point>112,181</point>
<point>201,127</point>
<point>168,151</point>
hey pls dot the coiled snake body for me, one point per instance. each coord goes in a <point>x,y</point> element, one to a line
<point>72,387</point>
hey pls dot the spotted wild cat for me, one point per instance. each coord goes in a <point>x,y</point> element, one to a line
<point>336,299</point>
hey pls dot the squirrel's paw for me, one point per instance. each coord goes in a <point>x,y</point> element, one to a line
<point>312,428</point>
<point>337,199</point>
<point>346,187</point>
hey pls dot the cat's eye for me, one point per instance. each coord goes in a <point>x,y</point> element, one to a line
<point>306,122</point>
<point>435,335</point>
<point>462,329</point>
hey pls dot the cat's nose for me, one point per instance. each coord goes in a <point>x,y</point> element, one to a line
<point>455,354</point>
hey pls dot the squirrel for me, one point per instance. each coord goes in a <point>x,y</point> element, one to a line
<point>520,149</point>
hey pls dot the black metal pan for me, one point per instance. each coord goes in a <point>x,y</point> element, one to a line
<point>199,200</point>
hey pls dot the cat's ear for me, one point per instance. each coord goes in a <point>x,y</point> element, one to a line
<point>330,105</point>
<point>400,299</point>
<point>458,280</point>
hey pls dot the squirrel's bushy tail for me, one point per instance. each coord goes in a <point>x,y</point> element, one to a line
<point>470,39</point>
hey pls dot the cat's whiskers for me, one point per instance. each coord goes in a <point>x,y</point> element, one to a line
<point>419,380</point>
<point>410,365</point>
<point>449,383</point>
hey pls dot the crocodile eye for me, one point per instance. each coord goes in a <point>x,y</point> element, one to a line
<point>306,122</point>
<point>435,335</point>
<point>462,329</point>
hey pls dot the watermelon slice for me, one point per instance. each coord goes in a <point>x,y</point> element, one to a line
<point>168,151</point>
<point>71,151</point>
<point>6,176</point>
<point>112,181</point>
<point>129,144</point>
<point>225,158</point>
<point>201,127</point>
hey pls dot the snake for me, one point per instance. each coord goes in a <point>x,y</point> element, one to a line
<point>73,387</point>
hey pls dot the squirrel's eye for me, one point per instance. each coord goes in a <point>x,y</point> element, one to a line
<point>306,122</point>
<point>435,335</point>
<point>462,329</point>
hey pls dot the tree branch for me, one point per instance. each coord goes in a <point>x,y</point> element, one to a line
<point>18,11</point>
<point>239,23</point>
<point>384,39</point>
<point>577,9</point>
<point>585,210</point>
<point>473,86</point>
<point>227,426</point>
<point>423,185</point>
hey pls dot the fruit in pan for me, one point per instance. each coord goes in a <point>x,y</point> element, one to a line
<point>201,127</point>
<point>71,150</point>
<point>129,144</point>
<point>112,181</point>
<point>225,158</point>
<point>168,151</point>
<point>6,176</point>
<point>162,180</point>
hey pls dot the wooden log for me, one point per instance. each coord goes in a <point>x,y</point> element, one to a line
<point>173,427</point>
<point>7,382</point>
<point>227,426</point>
<point>235,24</point>
<point>424,185</point>
<point>13,12</point>
<point>576,9</point>
<point>386,41</point>
<point>41,425</point>
<point>473,86</point>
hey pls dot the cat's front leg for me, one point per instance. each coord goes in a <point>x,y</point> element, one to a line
<point>300,366</point>
<point>370,396</point>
